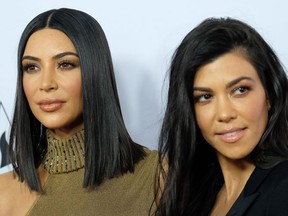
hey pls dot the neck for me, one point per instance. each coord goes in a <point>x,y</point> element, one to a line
<point>236,173</point>
<point>64,155</point>
<point>62,133</point>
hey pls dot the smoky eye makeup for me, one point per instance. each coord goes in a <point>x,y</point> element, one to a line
<point>68,63</point>
<point>29,67</point>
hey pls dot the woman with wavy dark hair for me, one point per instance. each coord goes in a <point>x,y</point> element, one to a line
<point>69,146</point>
<point>224,140</point>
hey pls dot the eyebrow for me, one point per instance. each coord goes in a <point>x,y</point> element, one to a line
<point>60,55</point>
<point>228,85</point>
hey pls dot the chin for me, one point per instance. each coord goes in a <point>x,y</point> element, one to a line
<point>242,157</point>
<point>52,126</point>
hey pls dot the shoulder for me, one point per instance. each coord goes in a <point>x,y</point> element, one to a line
<point>151,154</point>
<point>279,172</point>
<point>6,179</point>
<point>279,176</point>
<point>278,195</point>
<point>151,157</point>
<point>269,179</point>
<point>8,184</point>
<point>16,197</point>
<point>148,163</point>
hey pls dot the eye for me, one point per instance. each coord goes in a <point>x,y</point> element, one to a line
<point>67,65</point>
<point>30,68</point>
<point>241,90</point>
<point>202,98</point>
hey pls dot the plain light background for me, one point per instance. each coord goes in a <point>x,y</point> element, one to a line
<point>142,36</point>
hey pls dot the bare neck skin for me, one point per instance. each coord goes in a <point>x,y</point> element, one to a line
<point>236,174</point>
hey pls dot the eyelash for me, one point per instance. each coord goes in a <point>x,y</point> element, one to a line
<point>197,99</point>
<point>27,67</point>
<point>64,65</point>
<point>208,96</point>
<point>246,88</point>
<point>70,64</point>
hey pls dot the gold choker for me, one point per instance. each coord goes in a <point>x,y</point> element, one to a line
<point>64,155</point>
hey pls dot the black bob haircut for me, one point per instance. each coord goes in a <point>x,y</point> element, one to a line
<point>109,150</point>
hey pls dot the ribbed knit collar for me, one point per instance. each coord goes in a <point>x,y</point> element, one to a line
<point>64,155</point>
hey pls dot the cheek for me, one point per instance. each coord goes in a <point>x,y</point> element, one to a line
<point>202,118</point>
<point>28,88</point>
<point>257,110</point>
<point>78,88</point>
<point>75,89</point>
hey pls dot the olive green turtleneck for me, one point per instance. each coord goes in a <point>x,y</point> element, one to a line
<point>130,194</point>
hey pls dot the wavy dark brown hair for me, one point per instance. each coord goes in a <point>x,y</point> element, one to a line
<point>194,176</point>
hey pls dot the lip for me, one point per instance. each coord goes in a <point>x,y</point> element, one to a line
<point>231,135</point>
<point>50,105</point>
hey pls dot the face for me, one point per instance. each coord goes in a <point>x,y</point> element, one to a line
<point>52,81</point>
<point>231,105</point>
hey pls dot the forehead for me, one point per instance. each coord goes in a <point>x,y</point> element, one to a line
<point>48,40</point>
<point>225,68</point>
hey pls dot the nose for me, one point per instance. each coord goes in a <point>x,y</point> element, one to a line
<point>225,109</point>
<point>48,80</point>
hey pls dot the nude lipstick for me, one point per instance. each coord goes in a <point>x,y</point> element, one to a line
<point>50,105</point>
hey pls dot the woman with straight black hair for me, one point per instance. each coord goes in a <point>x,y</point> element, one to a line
<point>70,149</point>
<point>224,140</point>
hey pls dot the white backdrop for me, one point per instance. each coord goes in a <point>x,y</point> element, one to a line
<point>142,36</point>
